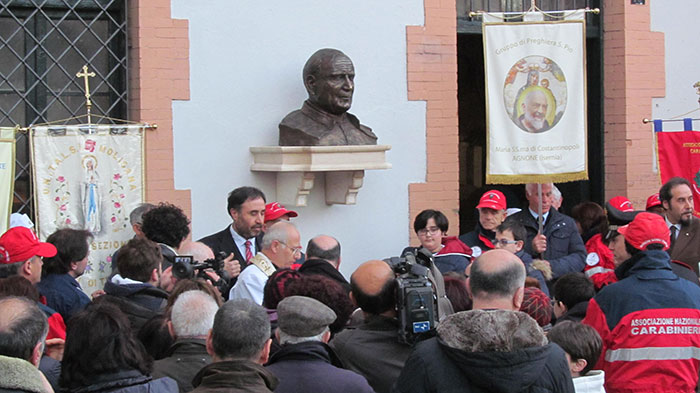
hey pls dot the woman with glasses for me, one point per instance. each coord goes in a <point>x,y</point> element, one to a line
<point>449,253</point>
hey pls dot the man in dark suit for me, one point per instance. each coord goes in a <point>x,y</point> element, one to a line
<point>677,199</point>
<point>559,245</point>
<point>246,206</point>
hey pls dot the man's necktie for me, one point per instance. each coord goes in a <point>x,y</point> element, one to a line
<point>674,233</point>
<point>248,251</point>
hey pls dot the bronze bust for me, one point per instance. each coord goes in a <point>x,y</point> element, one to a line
<point>323,119</point>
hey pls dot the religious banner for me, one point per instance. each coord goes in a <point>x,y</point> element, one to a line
<point>88,177</point>
<point>679,156</point>
<point>535,100</point>
<point>7,175</point>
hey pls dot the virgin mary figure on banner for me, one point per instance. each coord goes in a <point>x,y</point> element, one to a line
<point>91,195</point>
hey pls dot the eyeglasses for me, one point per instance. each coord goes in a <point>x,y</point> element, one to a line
<point>295,250</point>
<point>431,230</point>
<point>505,242</point>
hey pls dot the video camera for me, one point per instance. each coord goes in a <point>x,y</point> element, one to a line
<point>415,296</point>
<point>185,267</point>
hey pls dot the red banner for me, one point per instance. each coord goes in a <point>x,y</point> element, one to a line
<point>679,155</point>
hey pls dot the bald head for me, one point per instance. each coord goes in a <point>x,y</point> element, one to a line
<point>199,251</point>
<point>324,247</point>
<point>496,276</point>
<point>23,328</point>
<point>373,285</point>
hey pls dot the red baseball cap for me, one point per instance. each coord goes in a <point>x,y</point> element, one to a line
<point>493,199</point>
<point>19,244</point>
<point>653,200</point>
<point>274,210</point>
<point>622,204</point>
<point>646,228</point>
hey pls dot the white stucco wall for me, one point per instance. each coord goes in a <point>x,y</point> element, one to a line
<point>678,21</point>
<point>246,59</point>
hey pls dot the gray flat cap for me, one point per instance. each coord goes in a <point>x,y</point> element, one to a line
<point>302,316</point>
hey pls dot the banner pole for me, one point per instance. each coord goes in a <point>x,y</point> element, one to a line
<point>539,208</point>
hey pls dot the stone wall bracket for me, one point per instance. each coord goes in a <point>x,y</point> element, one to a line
<point>343,168</point>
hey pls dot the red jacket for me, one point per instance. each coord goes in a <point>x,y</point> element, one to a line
<point>454,256</point>
<point>600,262</point>
<point>57,327</point>
<point>650,326</point>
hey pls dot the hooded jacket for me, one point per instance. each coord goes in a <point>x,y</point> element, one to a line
<point>495,351</point>
<point>600,262</point>
<point>18,375</point>
<point>139,301</point>
<point>650,325</point>
<point>143,294</point>
<point>590,383</point>
<point>454,256</point>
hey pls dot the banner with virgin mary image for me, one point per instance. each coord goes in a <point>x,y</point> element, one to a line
<point>535,100</point>
<point>88,177</point>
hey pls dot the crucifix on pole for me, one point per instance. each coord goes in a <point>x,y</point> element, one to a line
<point>85,74</point>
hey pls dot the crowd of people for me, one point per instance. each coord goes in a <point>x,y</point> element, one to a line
<point>531,300</point>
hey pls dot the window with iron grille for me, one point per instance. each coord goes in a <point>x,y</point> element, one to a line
<point>43,44</point>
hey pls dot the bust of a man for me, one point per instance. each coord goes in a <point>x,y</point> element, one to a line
<point>323,119</point>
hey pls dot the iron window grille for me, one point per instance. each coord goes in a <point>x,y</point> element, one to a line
<point>43,44</point>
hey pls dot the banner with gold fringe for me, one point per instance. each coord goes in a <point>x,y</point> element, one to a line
<point>88,177</point>
<point>535,99</point>
<point>7,175</point>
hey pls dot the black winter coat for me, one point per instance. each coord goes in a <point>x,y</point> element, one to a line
<point>313,367</point>
<point>373,351</point>
<point>509,358</point>
<point>131,381</point>
<point>140,302</point>
<point>184,360</point>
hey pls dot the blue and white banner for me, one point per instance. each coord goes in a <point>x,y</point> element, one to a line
<point>88,177</point>
<point>535,100</point>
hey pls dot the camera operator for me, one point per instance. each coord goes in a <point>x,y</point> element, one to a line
<point>493,347</point>
<point>202,254</point>
<point>167,225</point>
<point>372,349</point>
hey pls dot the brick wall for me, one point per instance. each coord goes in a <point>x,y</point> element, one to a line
<point>432,76</point>
<point>633,74</point>
<point>158,74</point>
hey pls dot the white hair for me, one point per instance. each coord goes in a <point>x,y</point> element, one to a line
<point>531,188</point>
<point>193,314</point>
<point>289,339</point>
<point>556,193</point>
<point>279,231</point>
